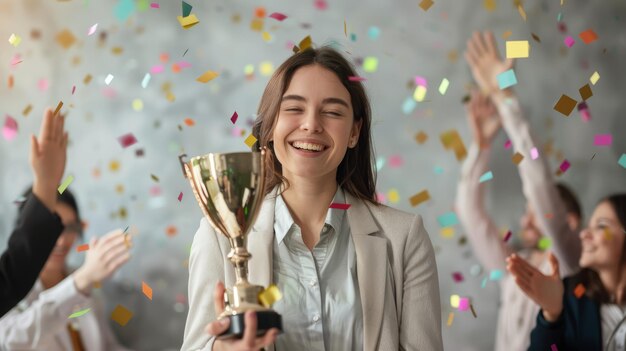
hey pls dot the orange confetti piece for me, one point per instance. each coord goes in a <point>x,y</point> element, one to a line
<point>10,82</point>
<point>121,315</point>
<point>146,289</point>
<point>190,122</point>
<point>171,231</point>
<point>579,290</point>
<point>421,137</point>
<point>259,12</point>
<point>83,247</point>
<point>588,36</point>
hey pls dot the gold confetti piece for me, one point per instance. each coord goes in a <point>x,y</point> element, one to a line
<point>121,315</point>
<point>421,137</point>
<point>119,189</point>
<point>267,37</point>
<point>65,184</point>
<point>305,43</point>
<point>490,5</point>
<point>27,110</point>
<point>420,197</point>
<point>257,24</point>
<point>565,105</point>
<point>517,158</point>
<point>207,76</point>
<point>187,22</point>
<point>79,313</point>
<point>146,289</point>
<point>270,295</point>
<point>517,49</point>
<point>155,178</point>
<point>114,166</point>
<point>594,78</point>
<point>506,34</point>
<point>250,140</point>
<point>66,39</point>
<point>452,140</point>
<point>521,12</point>
<point>56,111</point>
<point>345,28</point>
<point>585,92</point>
<point>535,37</point>
<point>447,232</point>
<point>473,311</point>
<point>87,79</point>
<point>450,319</point>
<point>118,50</point>
<point>426,4</point>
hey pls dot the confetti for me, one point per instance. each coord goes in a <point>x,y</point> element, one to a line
<point>180,196</point>
<point>68,180</point>
<point>564,166</point>
<point>356,79</point>
<point>594,78</point>
<point>421,137</point>
<point>447,232</point>
<point>521,11</point>
<point>9,131</point>
<point>473,311</point>
<point>207,76</point>
<point>569,41</point>
<point>186,9</point>
<point>565,105</point>
<point>517,49</point>
<point>155,5</point>
<point>622,160</point>
<point>447,219</point>
<point>507,79</point>
<point>507,144</point>
<point>73,89</point>
<point>321,4</point>
<point>544,243</point>
<point>457,277</point>
<point>373,32</point>
<point>250,140</point>
<point>452,140</point>
<point>339,206</point>
<point>146,289</point>
<point>277,16</point>
<point>83,247</point>
<point>443,87</point>
<point>127,140</point>
<point>268,296</point>
<point>585,92</point>
<point>145,80</point>
<point>579,290</point>
<point>409,105</point>
<point>266,68</point>
<point>490,5</point>
<point>370,64</point>
<point>507,236</point>
<point>534,153</point>
<point>506,34</point>
<point>87,79</point>
<point>234,117</point>
<point>426,4</point>
<point>79,313</point>
<point>450,319</point>
<point>15,40</point>
<point>535,37</point>
<point>108,79</point>
<point>496,274</point>
<point>66,39</point>
<point>189,122</point>
<point>454,301</point>
<point>393,196</point>
<point>420,93</point>
<point>588,36</point>
<point>485,177</point>
<point>92,29</point>
<point>419,198</point>
<point>602,140</point>
<point>121,315</point>
<point>464,304</point>
<point>553,347</point>
<point>171,231</point>
<point>517,158</point>
<point>188,21</point>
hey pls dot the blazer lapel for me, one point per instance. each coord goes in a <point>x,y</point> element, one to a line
<point>260,240</point>
<point>371,258</point>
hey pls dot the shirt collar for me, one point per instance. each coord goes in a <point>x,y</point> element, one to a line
<point>283,222</point>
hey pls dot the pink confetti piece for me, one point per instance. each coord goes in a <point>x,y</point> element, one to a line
<point>507,236</point>
<point>109,92</point>
<point>127,140</point>
<point>92,29</point>
<point>339,206</point>
<point>73,89</point>
<point>564,166</point>
<point>155,190</point>
<point>553,347</point>
<point>156,69</point>
<point>321,4</point>
<point>155,5</point>
<point>507,144</point>
<point>289,45</point>
<point>278,16</point>
<point>380,197</point>
<point>534,153</point>
<point>42,84</point>
<point>464,304</point>
<point>237,132</point>
<point>569,41</point>
<point>9,131</point>
<point>234,117</point>
<point>395,161</point>
<point>421,81</point>
<point>357,79</point>
<point>457,277</point>
<point>603,140</point>
<point>584,112</point>
<point>183,64</point>
<point>180,196</point>
<point>16,59</point>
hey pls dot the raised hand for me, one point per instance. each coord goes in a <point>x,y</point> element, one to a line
<point>546,290</point>
<point>485,62</point>
<point>249,341</point>
<point>48,154</point>
<point>105,256</point>
<point>483,117</point>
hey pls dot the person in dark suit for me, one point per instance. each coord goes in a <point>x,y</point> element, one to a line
<point>38,226</point>
<point>586,311</point>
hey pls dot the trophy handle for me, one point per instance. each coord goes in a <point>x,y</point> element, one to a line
<point>183,164</point>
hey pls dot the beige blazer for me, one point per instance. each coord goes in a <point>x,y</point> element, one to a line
<point>396,271</point>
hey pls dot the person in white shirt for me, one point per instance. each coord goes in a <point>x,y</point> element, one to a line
<point>40,321</point>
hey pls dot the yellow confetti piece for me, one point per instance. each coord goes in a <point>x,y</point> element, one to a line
<point>506,34</point>
<point>146,289</point>
<point>420,197</point>
<point>370,64</point>
<point>187,22</point>
<point>450,319</point>
<point>121,315</point>
<point>490,5</point>
<point>305,43</point>
<point>15,40</point>
<point>256,24</point>
<point>594,77</point>
<point>270,295</point>
<point>267,37</point>
<point>443,87</point>
<point>521,12</point>
<point>65,184</point>
<point>455,300</point>
<point>393,196</point>
<point>114,166</point>
<point>207,76</point>
<point>137,105</point>
<point>248,69</point>
<point>250,140</point>
<point>266,68</point>
<point>447,232</point>
<point>517,49</point>
<point>420,93</point>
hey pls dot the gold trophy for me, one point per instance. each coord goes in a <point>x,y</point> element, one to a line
<point>229,188</point>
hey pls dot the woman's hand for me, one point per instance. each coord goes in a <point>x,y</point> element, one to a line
<point>546,290</point>
<point>48,154</point>
<point>483,118</point>
<point>104,257</point>
<point>485,62</point>
<point>249,341</point>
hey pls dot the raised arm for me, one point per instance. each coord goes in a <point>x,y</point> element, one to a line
<point>538,183</point>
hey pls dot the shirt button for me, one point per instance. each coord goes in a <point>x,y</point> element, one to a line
<point>316,318</point>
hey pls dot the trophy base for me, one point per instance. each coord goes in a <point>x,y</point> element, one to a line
<point>266,320</point>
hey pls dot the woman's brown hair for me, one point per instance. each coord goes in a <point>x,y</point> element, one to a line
<point>356,172</point>
<point>594,289</point>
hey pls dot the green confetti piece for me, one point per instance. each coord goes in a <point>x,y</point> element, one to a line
<point>544,243</point>
<point>622,160</point>
<point>507,79</point>
<point>65,184</point>
<point>79,313</point>
<point>485,177</point>
<point>443,87</point>
<point>186,9</point>
<point>370,64</point>
<point>447,219</point>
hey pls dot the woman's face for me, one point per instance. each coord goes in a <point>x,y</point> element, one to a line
<point>315,125</point>
<point>56,260</point>
<point>602,240</point>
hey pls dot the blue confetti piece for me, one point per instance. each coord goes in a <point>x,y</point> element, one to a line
<point>484,283</point>
<point>496,274</point>
<point>409,105</point>
<point>380,163</point>
<point>622,160</point>
<point>507,79</point>
<point>438,170</point>
<point>124,9</point>
<point>447,219</point>
<point>485,177</point>
<point>373,33</point>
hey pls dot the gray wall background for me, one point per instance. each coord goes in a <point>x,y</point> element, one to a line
<point>412,42</point>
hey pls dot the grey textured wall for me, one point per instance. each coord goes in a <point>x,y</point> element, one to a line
<point>411,42</point>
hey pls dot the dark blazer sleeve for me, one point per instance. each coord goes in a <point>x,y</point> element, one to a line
<point>30,244</point>
<point>547,333</point>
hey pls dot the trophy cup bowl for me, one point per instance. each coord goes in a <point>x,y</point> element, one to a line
<point>229,188</point>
